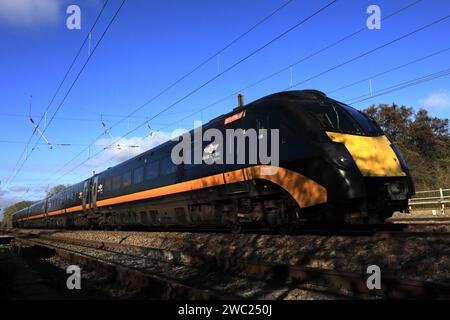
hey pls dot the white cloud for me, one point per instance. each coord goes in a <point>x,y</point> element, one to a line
<point>437,99</point>
<point>29,12</point>
<point>18,188</point>
<point>125,149</point>
<point>25,191</point>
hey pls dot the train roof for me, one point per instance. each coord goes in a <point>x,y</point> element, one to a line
<point>304,95</point>
<point>309,94</point>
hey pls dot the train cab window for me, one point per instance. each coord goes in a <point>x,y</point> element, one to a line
<point>342,118</point>
<point>116,183</point>
<point>334,118</point>
<point>126,179</point>
<point>151,171</point>
<point>138,175</point>
<point>367,125</point>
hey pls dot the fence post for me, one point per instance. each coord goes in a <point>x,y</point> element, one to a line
<point>442,201</point>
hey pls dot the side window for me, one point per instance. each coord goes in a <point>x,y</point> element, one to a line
<point>116,183</point>
<point>168,167</point>
<point>138,175</point>
<point>126,179</point>
<point>151,171</point>
<point>107,185</point>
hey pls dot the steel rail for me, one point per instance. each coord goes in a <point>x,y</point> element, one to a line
<point>338,281</point>
<point>129,277</point>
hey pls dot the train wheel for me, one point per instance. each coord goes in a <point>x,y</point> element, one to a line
<point>287,228</point>
<point>237,229</point>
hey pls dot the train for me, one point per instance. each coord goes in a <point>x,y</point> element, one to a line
<point>335,167</point>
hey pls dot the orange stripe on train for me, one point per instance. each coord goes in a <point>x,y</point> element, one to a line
<point>305,191</point>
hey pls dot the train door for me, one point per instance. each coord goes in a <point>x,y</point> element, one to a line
<point>94,188</point>
<point>46,207</point>
<point>85,202</point>
<point>180,169</point>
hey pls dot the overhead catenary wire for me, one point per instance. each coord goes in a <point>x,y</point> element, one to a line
<point>294,27</point>
<point>400,86</point>
<point>331,69</point>
<point>327,47</point>
<point>59,86</point>
<point>429,78</point>
<point>322,73</point>
<point>359,81</point>
<point>298,24</point>
<point>60,144</point>
<point>173,84</point>
<point>366,53</point>
<point>390,70</point>
<point>71,86</point>
<point>303,59</point>
<point>369,52</point>
<point>74,119</point>
<point>204,62</point>
<point>397,87</point>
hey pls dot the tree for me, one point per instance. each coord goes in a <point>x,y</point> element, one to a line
<point>393,120</point>
<point>7,213</point>
<point>423,140</point>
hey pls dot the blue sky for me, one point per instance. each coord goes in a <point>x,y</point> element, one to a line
<point>153,43</point>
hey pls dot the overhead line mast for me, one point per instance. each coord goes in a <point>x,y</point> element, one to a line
<point>25,150</point>
<point>72,85</point>
<point>186,75</point>
<point>294,27</point>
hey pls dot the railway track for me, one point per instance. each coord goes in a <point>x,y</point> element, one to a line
<point>123,269</point>
<point>157,274</point>
<point>142,267</point>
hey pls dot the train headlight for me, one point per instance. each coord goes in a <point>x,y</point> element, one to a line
<point>397,190</point>
<point>343,160</point>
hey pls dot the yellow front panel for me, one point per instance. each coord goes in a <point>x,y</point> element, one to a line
<point>373,155</point>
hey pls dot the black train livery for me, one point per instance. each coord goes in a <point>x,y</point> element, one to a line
<point>335,167</point>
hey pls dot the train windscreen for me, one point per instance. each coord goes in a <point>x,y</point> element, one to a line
<point>342,118</point>
<point>367,125</point>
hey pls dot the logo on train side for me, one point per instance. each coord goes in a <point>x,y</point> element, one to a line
<point>239,146</point>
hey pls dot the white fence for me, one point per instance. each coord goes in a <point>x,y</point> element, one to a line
<point>436,202</point>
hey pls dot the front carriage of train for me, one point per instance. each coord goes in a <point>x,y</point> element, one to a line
<point>365,175</point>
